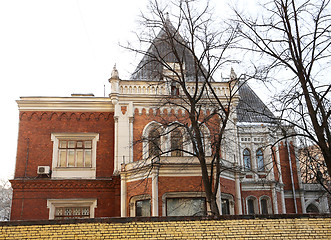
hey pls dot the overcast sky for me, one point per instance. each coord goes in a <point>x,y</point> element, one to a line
<point>60,47</point>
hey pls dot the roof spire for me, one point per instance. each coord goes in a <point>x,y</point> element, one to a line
<point>167,18</point>
<point>233,75</point>
<point>114,73</point>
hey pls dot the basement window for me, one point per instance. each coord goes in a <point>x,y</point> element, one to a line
<point>72,212</point>
<point>71,208</point>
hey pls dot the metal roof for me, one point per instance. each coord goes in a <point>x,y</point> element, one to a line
<point>250,109</point>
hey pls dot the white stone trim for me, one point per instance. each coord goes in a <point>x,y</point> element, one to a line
<point>134,199</point>
<point>231,202</point>
<point>146,131</point>
<point>256,205</point>
<point>269,205</point>
<point>181,195</point>
<point>77,202</point>
<point>90,104</point>
<point>74,172</point>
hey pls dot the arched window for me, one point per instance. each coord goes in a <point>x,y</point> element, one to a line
<point>312,209</point>
<point>176,143</point>
<point>140,206</point>
<point>154,146</point>
<point>252,207</point>
<point>227,204</point>
<point>260,160</point>
<point>265,205</point>
<point>205,140</point>
<point>247,159</point>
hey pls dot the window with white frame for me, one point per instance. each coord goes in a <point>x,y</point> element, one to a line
<point>140,206</point>
<point>184,204</point>
<point>227,204</point>
<point>205,140</point>
<point>143,208</point>
<point>74,155</point>
<point>71,208</point>
<point>251,205</point>
<point>260,160</point>
<point>265,205</point>
<point>154,145</point>
<point>247,159</point>
<point>72,212</point>
<point>311,208</point>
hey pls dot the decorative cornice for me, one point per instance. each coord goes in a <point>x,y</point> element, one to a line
<point>91,104</point>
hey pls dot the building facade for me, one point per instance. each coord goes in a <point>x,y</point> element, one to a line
<point>84,156</point>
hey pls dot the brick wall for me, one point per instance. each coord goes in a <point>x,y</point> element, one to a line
<point>38,126</point>
<point>30,197</point>
<point>35,148</point>
<point>232,227</point>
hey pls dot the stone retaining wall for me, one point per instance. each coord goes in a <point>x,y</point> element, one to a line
<point>231,227</point>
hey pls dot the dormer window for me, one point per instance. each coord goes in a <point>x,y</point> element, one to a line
<point>171,73</point>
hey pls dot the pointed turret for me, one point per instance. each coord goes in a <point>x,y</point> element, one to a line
<point>114,73</point>
<point>233,75</point>
<point>150,67</point>
<point>114,81</point>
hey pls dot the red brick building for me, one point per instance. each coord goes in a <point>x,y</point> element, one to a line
<point>86,156</point>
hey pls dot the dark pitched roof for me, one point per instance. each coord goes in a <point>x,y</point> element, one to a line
<point>251,108</point>
<point>161,47</point>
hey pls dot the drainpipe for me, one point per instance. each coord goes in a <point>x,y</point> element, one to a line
<point>25,170</point>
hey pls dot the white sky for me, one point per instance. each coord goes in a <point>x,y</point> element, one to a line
<point>60,47</point>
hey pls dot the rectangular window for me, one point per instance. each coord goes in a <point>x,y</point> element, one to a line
<point>71,208</point>
<point>75,153</point>
<point>72,212</point>
<point>186,206</point>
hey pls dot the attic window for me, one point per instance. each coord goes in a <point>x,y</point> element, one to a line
<point>172,69</point>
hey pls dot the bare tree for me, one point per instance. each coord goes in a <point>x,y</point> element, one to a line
<point>185,54</point>
<point>295,36</point>
<point>313,167</point>
<point>6,193</point>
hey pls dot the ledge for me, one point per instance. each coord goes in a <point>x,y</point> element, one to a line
<point>160,219</point>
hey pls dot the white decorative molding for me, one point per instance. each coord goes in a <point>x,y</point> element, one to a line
<point>89,104</point>
<point>52,204</point>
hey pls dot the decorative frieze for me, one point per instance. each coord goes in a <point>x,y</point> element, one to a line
<point>29,115</point>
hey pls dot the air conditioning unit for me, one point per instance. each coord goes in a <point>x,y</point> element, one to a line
<point>43,170</point>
